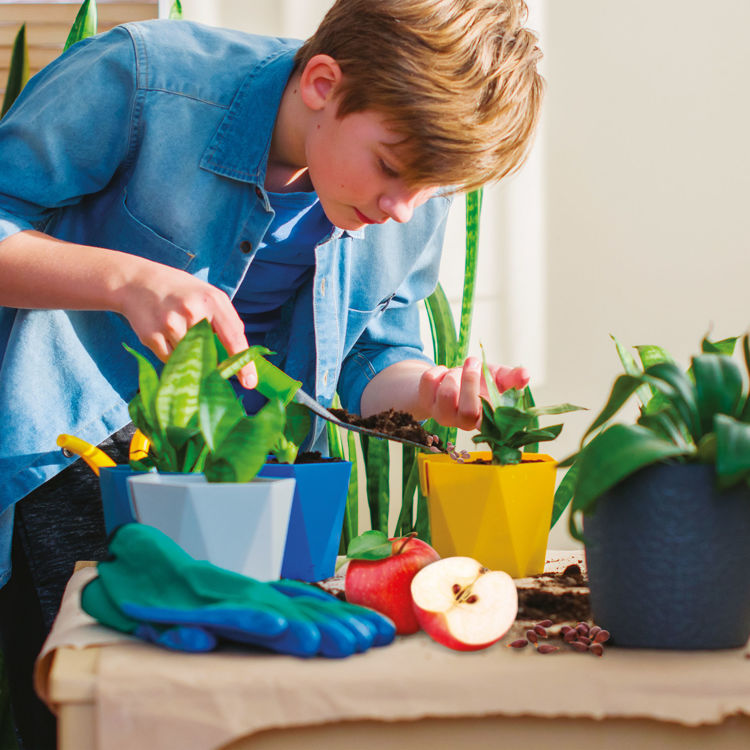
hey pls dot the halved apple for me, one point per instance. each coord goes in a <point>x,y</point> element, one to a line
<point>463,605</point>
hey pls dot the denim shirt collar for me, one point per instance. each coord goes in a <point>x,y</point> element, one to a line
<point>240,147</point>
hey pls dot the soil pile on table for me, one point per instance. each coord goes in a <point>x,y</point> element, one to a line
<point>560,597</point>
<point>391,422</point>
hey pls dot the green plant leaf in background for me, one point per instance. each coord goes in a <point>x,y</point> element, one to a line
<point>612,455</point>
<point>84,25</point>
<point>175,12</point>
<point>18,74</point>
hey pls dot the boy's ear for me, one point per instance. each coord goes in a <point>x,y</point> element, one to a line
<point>319,81</point>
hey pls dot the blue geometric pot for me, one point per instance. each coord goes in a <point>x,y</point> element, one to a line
<point>317,516</point>
<point>668,558</point>
<point>117,502</point>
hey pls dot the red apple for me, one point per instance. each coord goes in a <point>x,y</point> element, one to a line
<point>462,604</point>
<point>384,585</point>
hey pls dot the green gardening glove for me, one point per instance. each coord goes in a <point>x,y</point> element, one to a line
<point>152,588</point>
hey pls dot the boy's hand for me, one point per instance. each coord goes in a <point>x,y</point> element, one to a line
<point>161,303</point>
<point>452,396</point>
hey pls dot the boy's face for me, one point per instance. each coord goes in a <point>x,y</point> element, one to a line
<point>355,170</point>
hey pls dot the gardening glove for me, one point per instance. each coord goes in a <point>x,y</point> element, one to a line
<point>183,603</point>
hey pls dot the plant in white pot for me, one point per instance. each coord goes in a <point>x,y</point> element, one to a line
<point>666,503</point>
<point>206,451</point>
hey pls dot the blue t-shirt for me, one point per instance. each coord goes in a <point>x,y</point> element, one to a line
<point>284,262</point>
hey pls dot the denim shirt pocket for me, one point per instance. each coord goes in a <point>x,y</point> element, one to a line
<point>357,320</point>
<point>148,243</point>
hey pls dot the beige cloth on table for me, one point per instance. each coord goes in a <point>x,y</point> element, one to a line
<point>149,697</point>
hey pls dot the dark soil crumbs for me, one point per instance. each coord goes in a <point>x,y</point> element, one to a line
<point>397,423</point>
<point>560,597</point>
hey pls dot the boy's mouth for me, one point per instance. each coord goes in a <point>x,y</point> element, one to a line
<point>366,219</point>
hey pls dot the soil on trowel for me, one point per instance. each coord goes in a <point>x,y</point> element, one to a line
<point>560,597</point>
<point>397,423</point>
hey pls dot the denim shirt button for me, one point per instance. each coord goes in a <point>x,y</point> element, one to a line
<point>246,246</point>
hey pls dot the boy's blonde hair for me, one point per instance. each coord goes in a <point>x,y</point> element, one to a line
<point>457,78</point>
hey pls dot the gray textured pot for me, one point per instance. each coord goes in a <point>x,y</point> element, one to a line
<point>668,559</point>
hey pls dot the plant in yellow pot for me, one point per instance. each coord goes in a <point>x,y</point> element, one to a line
<point>496,505</point>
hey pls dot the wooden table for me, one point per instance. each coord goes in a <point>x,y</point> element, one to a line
<point>430,697</point>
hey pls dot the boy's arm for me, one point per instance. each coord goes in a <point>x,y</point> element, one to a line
<point>450,396</point>
<point>160,302</point>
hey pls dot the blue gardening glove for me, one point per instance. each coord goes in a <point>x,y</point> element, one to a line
<point>153,589</point>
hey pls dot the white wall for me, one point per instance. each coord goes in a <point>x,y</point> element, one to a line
<point>630,218</point>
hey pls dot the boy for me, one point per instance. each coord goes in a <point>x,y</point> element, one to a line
<point>296,196</point>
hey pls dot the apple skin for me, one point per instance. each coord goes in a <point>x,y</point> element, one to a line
<point>385,585</point>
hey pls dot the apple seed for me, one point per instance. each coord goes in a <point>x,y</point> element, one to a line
<point>597,649</point>
<point>520,643</point>
<point>532,636</point>
<point>546,648</point>
<point>602,636</point>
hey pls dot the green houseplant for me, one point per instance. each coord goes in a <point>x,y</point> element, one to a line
<point>666,503</point>
<point>208,452</point>
<point>194,423</point>
<point>497,506</point>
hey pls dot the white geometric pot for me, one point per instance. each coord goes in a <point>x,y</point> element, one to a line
<point>238,526</point>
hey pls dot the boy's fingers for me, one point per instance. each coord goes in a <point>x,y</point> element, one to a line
<point>230,330</point>
<point>429,382</point>
<point>469,407</point>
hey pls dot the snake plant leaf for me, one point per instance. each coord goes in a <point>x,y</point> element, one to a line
<point>622,390</point>
<point>663,423</point>
<point>564,493</point>
<point>718,388</point>
<point>681,395</point>
<point>409,484</point>
<point>725,346</point>
<point>245,448</point>
<point>631,367</point>
<point>610,457</point>
<point>377,468</point>
<point>442,328</point>
<point>539,435</point>
<point>652,355</point>
<point>192,359</point>
<point>540,411</point>
<point>732,450</point>
<point>175,12</point>
<point>84,25</point>
<point>18,74</point>
<point>219,410</point>
<point>351,512</point>
<point>473,214</point>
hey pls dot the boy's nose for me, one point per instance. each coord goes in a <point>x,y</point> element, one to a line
<point>400,206</point>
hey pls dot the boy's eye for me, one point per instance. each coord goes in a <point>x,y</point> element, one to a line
<point>387,170</point>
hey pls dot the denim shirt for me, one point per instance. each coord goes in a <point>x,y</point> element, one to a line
<point>153,139</point>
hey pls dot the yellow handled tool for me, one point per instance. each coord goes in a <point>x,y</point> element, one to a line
<point>97,458</point>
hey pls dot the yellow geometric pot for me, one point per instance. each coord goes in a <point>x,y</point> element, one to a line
<point>499,515</point>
